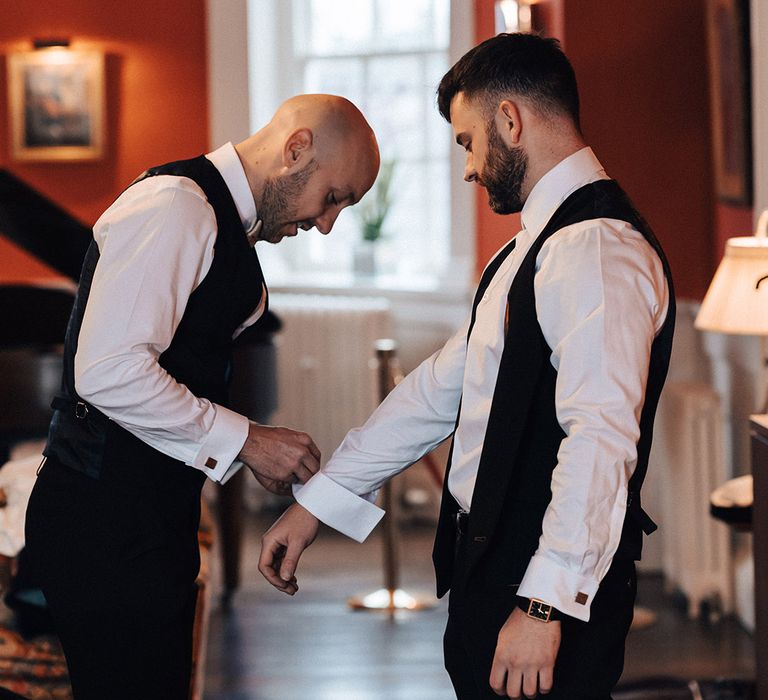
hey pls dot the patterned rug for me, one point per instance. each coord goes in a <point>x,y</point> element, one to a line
<point>35,669</point>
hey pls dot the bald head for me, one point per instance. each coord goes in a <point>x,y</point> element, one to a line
<point>322,141</point>
<point>335,122</point>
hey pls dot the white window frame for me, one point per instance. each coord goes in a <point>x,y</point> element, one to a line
<point>759,41</point>
<point>244,52</point>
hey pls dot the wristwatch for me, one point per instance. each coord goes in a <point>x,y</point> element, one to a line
<point>538,609</point>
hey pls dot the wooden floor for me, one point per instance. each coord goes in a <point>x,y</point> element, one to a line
<point>272,647</point>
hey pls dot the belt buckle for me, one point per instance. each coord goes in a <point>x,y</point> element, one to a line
<point>81,409</point>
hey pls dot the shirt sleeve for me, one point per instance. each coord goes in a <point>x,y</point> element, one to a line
<point>156,246</point>
<point>601,341</point>
<point>416,416</point>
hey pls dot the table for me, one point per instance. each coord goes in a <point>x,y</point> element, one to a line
<point>759,442</point>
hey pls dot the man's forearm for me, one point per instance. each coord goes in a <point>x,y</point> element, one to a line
<point>416,416</point>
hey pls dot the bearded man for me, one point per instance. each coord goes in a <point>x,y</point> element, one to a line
<point>170,279</point>
<point>549,389</point>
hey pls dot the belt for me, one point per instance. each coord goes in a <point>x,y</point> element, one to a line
<point>79,408</point>
<point>65,403</point>
<point>462,522</point>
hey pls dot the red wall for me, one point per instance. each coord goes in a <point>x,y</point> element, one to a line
<point>730,221</point>
<point>641,69</point>
<point>643,81</point>
<point>156,94</point>
<point>493,230</point>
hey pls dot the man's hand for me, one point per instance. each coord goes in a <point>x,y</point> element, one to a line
<point>279,488</point>
<point>283,544</point>
<point>279,455</point>
<point>525,656</point>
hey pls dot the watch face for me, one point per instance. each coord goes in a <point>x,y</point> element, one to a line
<point>539,610</point>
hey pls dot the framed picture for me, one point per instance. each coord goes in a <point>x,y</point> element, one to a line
<point>56,102</point>
<point>730,88</point>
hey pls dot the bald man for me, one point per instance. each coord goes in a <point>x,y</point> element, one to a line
<point>170,279</point>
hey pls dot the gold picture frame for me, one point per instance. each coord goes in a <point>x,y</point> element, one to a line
<point>729,63</point>
<point>56,103</point>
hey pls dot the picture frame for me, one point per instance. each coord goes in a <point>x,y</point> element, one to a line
<point>56,104</point>
<point>730,99</point>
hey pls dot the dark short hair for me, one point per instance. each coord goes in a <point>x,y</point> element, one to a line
<point>525,65</point>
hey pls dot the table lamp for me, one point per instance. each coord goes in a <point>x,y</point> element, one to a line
<point>737,299</point>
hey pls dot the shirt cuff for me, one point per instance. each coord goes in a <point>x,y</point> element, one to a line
<point>571,593</point>
<point>233,469</point>
<point>223,444</point>
<point>342,510</point>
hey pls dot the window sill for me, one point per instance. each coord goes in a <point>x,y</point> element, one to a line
<point>425,287</point>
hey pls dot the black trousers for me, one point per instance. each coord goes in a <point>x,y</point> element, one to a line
<point>118,576</point>
<point>591,656</point>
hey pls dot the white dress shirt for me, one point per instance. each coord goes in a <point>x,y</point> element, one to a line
<point>156,246</point>
<point>601,298</point>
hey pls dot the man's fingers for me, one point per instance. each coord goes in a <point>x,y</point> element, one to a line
<point>303,473</point>
<point>280,488</point>
<point>313,449</point>
<point>291,560</point>
<point>311,463</point>
<point>498,677</point>
<point>546,677</point>
<point>269,563</point>
<point>279,453</point>
<point>514,683</point>
<point>530,682</point>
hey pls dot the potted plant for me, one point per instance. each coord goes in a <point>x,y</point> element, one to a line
<point>372,213</point>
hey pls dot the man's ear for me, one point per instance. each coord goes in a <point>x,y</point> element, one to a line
<point>508,122</point>
<point>298,147</point>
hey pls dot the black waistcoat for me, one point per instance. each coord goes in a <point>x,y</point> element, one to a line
<point>519,453</point>
<point>199,355</point>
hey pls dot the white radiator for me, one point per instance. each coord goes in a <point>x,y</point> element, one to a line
<point>697,556</point>
<point>326,368</point>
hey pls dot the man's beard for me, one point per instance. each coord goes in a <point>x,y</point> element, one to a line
<point>503,173</point>
<point>278,201</point>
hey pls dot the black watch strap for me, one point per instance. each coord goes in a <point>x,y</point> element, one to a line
<point>538,609</point>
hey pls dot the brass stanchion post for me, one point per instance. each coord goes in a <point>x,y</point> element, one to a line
<point>391,598</point>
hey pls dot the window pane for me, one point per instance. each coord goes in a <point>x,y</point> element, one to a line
<point>411,24</point>
<point>438,178</point>
<point>333,27</point>
<point>438,131</point>
<point>418,224</point>
<point>337,76</point>
<point>395,105</point>
<point>387,56</point>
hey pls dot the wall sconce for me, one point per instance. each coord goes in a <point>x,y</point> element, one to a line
<point>51,43</point>
<point>514,16</point>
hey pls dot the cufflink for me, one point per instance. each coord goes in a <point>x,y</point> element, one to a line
<point>582,598</point>
<point>211,463</point>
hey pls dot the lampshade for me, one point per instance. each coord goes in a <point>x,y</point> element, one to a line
<point>737,298</point>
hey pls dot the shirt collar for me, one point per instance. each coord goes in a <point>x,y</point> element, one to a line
<point>553,189</point>
<point>228,163</point>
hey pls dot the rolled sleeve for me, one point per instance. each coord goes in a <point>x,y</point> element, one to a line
<point>218,454</point>
<point>566,590</point>
<point>352,515</point>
